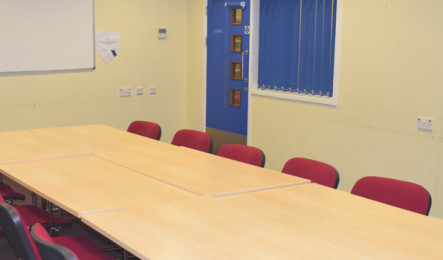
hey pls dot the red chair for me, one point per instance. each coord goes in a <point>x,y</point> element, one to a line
<point>317,172</point>
<point>402,194</point>
<point>65,247</point>
<point>243,153</point>
<point>145,128</point>
<point>9,194</point>
<point>24,247</point>
<point>32,215</point>
<point>193,139</point>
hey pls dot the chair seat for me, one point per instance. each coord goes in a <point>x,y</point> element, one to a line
<point>9,193</point>
<point>31,215</point>
<point>83,248</point>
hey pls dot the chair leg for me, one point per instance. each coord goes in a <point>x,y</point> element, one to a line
<point>34,199</point>
<point>44,204</point>
<point>50,208</point>
<point>125,254</point>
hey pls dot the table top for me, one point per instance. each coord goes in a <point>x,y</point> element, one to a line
<point>39,155</point>
<point>25,145</point>
<point>203,173</point>
<point>191,170</point>
<point>88,184</point>
<point>305,221</point>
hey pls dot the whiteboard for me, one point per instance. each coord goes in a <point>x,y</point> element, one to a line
<point>44,36</point>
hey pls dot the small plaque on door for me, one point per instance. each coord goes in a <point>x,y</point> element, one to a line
<point>235,97</point>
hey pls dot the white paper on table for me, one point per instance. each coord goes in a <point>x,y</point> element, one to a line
<point>107,41</point>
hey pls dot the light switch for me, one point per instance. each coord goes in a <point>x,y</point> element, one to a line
<point>162,34</point>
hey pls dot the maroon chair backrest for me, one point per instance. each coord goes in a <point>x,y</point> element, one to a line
<point>402,194</point>
<point>317,172</point>
<point>193,139</point>
<point>17,234</point>
<point>243,153</point>
<point>145,128</point>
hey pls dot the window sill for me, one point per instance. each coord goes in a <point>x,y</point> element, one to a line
<point>331,101</point>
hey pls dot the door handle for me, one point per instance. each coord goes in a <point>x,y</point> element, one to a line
<point>242,62</point>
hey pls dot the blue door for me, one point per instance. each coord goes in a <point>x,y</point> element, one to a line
<point>227,66</point>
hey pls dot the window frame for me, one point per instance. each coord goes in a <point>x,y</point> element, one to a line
<point>253,70</point>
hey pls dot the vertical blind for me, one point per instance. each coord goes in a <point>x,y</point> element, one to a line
<point>296,46</point>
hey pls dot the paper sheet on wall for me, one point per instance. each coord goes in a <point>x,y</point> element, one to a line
<point>107,43</point>
<point>107,56</point>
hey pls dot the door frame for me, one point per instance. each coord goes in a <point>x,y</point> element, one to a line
<point>253,59</point>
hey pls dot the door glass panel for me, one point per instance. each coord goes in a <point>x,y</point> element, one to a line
<point>236,70</point>
<point>236,43</point>
<point>237,16</point>
<point>235,97</point>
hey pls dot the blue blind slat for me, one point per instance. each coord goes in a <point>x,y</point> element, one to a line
<point>297,45</point>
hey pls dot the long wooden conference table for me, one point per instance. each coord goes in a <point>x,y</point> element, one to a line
<point>160,201</point>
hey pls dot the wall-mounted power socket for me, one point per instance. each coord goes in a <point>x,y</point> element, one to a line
<point>425,124</point>
<point>152,90</point>
<point>125,92</point>
<point>139,91</point>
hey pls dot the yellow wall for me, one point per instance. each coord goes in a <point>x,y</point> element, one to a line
<point>93,97</point>
<point>391,69</point>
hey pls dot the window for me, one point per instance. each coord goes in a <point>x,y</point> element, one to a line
<point>296,55</point>
<point>237,17</point>
<point>236,43</point>
<point>236,71</point>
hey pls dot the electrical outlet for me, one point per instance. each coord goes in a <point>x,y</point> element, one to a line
<point>152,90</point>
<point>139,91</point>
<point>425,124</point>
<point>125,92</point>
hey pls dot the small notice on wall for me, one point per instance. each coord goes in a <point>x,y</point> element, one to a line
<point>107,43</point>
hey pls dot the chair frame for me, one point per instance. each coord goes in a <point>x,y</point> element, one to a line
<point>31,214</point>
<point>15,232</point>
